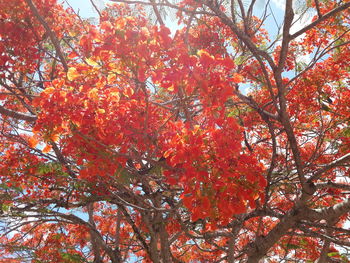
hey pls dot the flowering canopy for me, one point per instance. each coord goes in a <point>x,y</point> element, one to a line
<point>121,141</point>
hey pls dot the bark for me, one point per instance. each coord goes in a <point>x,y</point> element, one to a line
<point>17,115</point>
<point>51,34</point>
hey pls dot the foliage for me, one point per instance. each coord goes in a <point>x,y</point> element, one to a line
<point>123,141</point>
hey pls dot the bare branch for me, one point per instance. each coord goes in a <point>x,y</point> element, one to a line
<point>156,11</point>
<point>321,19</point>
<point>345,158</point>
<point>52,35</point>
<point>95,7</point>
<point>17,115</point>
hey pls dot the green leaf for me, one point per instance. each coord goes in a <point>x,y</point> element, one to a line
<point>5,208</point>
<point>333,254</point>
<point>239,60</point>
<point>292,246</point>
<point>303,242</point>
<point>232,113</point>
<point>124,176</point>
<point>74,258</point>
<point>346,132</point>
<point>52,167</point>
<point>157,170</point>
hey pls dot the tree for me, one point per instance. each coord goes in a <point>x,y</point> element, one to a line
<point>123,142</point>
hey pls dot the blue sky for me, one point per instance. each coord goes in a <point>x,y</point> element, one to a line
<point>275,11</point>
<point>86,10</point>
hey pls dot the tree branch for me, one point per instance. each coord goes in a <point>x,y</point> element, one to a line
<point>17,115</point>
<point>321,19</point>
<point>330,166</point>
<point>51,34</point>
<point>94,239</point>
